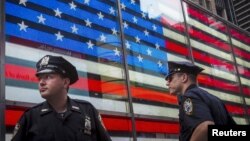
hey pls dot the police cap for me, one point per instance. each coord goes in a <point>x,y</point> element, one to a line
<point>57,64</point>
<point>184,66</point>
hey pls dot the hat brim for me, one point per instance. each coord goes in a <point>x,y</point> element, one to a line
<point>45,71</point>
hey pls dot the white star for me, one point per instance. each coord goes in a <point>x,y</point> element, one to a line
<point>132,2</point>
<point>123,6</point>
<point>103,38</point>
<point>117,52</point>
<point>154,27</point>
<point>125,25</point>
<point>114,31</point>
<point>111,11</point>
<point>41,19</point>
<point>134,19</point>
<point>137,39</point>
<point>59,36</point>
<point>86,2</point>
<point>72,5</point>
<point>146,32</point>
<point>143,15</point>
<point>159,64</point>
<point>139,58</point>
<point>88,23</point>
<point>157,46</point>
<point>127,45</point>
<point>74,29</point>
<point>23,2</point>
<point>149,52</point>
<point>58,12</point>
<point>90,44</point>
<point>22,26</point>
<point>100,16</point>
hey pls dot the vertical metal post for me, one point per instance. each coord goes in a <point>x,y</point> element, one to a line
<point>186,30</point>
<point>238,74</point>
<point>2,70</point>
<point>126,71</point>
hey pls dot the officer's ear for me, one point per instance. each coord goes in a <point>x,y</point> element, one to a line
<point>184,77</point>
<point>66,81</point>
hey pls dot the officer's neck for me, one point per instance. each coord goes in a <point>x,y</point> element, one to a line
<point>59,104</point>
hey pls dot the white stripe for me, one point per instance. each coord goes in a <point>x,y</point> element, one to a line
<point>33,96</point>
<point>245,81</point>
<point>155,110</point>
<point>240,45</point>
<point>175,36</point>
<point>121,139</point>
<point>83,65</point>
<point>239,120</point>
<point>242,62</point>
<point>210,50</point>
<point>247,101</point>
<point>208,29</point>
<point>225,96</point>
<point>8,136</point>
<point>218,73</point>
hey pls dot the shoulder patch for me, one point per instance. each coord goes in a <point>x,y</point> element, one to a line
<point>188,106</point>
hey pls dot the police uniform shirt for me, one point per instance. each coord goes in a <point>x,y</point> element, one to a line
<point>81,122</point>
<point>197,106</point>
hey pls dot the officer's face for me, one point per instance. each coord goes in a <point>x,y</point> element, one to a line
<point>52,85</point>
<point>174,83</point>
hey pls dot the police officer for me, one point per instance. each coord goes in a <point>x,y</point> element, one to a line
<point>198,108</point>
<point>59,118</point>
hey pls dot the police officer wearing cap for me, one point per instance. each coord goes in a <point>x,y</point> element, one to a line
<point>59,118</point>
<point>198,108</point>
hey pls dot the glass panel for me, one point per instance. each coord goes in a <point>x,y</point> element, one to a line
<point>153,28</point>
<point>84,32</point>
<point>241,48</point>
<point>211,50</point>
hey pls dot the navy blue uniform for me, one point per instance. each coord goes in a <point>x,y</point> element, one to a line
<point>196,106</point>
<point>81,122</point>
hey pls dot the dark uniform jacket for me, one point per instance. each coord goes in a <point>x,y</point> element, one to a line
<point>81,122</point>
<point>196,106</point>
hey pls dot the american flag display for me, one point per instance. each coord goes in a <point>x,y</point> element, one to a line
<point>87,32</point>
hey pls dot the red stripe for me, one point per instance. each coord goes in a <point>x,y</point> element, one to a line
<point>199,35</point>
<point>246,90</point>
<point>115,123</point>
<point>177,48</point>
<point>206,19</point>
<point>212,82</point>
<point>235,109</point>
<point>215,62</point>
<point>154,126</point>
<point>241,53</point>
<point>27,74</point>
<point>240,36</point>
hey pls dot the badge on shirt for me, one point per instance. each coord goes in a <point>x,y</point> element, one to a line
<point>188,106</point>
<point>87,125</point>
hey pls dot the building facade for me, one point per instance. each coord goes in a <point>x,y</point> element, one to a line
<point>120,49</point>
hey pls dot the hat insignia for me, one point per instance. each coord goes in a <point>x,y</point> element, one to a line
<point>44,61</point>
<point>188,106</point>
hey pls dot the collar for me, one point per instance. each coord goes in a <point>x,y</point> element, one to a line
<point>191,87</point>
<point>72,106</point>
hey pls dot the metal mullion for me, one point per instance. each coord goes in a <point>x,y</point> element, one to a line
<point>126,71</point>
